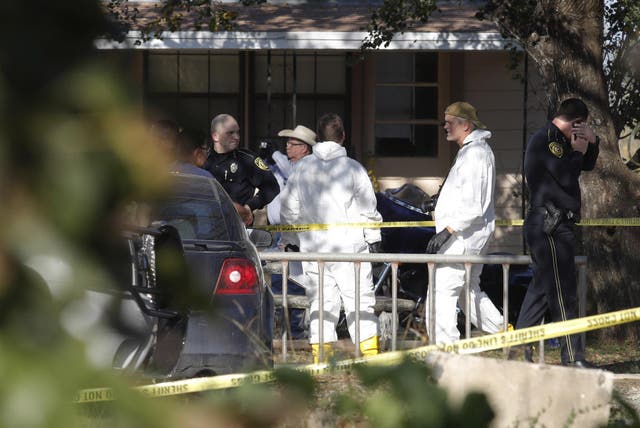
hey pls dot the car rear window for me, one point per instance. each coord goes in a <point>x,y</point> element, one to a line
<point>200,209</point>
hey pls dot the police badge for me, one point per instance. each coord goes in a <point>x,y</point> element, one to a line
<point>556,149</point>
<point>233,167</point>
<point>260,164</point>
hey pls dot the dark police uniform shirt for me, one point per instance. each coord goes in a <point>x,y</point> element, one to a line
<point>552,168</point>
<point>241,172</point>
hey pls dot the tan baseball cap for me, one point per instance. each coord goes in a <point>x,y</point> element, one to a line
<point>301,133</point>
<point>465,110</point>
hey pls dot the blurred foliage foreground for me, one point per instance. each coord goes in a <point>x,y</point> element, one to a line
<point>72,151</point>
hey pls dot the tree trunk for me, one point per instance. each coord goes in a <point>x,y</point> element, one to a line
<point>569,58</point>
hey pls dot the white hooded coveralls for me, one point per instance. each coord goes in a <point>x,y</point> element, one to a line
<point>329,187</point>
<point>465,204</point>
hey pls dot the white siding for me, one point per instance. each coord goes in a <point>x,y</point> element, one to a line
<point>499,97</point>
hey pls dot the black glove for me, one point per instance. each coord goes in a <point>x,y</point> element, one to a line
<point>291,248</point>
<point>375,247</point>
<point>437,241</point>
<point>266,151</point>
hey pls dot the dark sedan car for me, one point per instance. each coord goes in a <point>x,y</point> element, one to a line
<point>198,281</point>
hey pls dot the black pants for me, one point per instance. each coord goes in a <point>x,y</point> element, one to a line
<point>554,282</point>
<point>299,327</point>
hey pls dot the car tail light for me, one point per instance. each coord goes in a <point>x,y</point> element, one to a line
<point>238,276</point>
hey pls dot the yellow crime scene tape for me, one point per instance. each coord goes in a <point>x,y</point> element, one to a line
<point>630,221</point>
<point>464,346</point>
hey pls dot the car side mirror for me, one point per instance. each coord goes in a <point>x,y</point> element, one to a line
<point>260,238</point>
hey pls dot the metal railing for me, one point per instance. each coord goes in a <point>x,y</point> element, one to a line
<point>431,260</point>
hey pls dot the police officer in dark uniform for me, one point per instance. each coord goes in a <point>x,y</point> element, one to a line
<point>238,170</point>
<point>554,159</point>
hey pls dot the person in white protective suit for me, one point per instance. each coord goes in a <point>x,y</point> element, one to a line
<point>465,221</point>
<point>300,142</point>
<point>329,187</point>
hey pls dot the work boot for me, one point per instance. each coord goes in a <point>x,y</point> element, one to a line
<point>369,346</point>
<point>327,351</point>
<point>509,328</point>
<point>580,364</point>
<point>528,353</point>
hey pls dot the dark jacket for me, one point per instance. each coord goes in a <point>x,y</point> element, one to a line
<point>241,172</point>
<point>552,169</point>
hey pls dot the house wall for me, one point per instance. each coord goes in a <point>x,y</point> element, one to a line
<point>483,79</point>
<point>499,96</point>
<point>427,173</point>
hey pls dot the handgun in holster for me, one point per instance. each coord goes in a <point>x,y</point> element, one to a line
<point>552,218</point>
<point>430,204</point>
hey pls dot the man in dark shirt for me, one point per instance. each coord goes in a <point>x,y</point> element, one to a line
<point>238,170</point>
<point>192,150</point>
<point>554,158</point>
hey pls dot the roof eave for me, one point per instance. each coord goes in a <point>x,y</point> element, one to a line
<point>309,40</point>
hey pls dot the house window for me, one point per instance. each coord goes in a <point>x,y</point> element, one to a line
<point>296,88</point>
<point>406,113</point>
<point>191,88</point>
<point>284,89</point>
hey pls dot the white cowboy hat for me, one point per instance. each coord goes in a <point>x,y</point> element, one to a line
<point>301,133</point>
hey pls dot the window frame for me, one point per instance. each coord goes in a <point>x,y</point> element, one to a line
<point>412,121</point>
